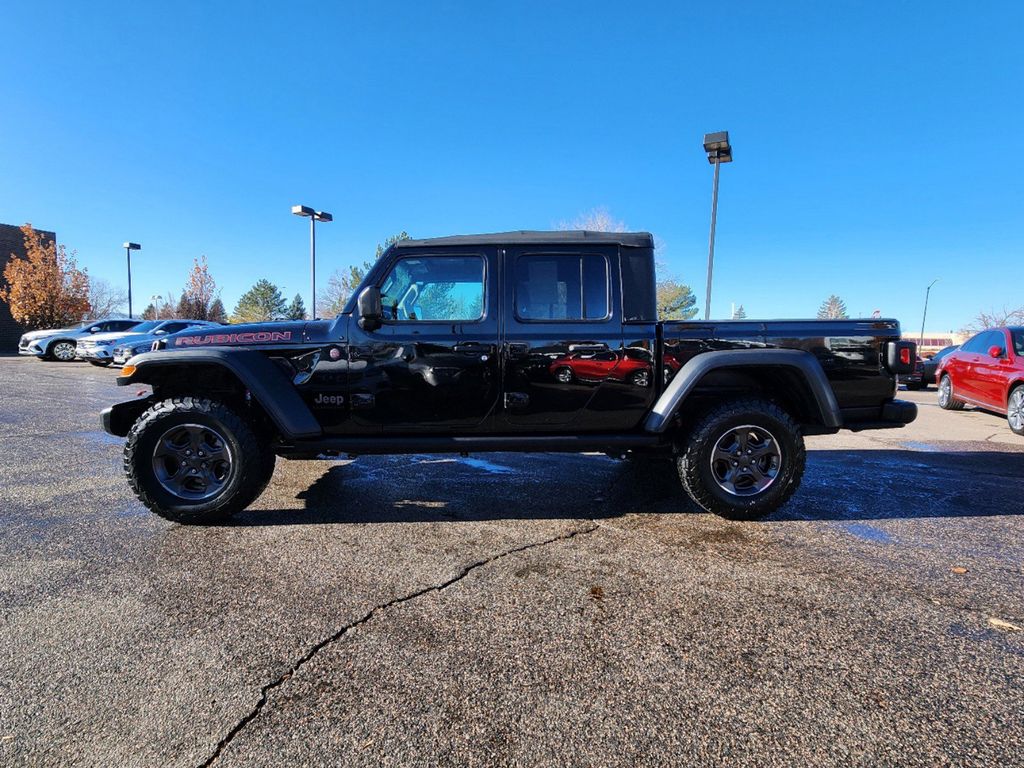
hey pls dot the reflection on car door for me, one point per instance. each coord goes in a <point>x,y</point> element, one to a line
<point>562,339</point>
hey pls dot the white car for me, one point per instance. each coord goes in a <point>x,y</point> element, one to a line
<point>59,343</point>
<point>107,348</point>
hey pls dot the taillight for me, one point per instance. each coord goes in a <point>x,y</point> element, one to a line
<point>905,356</point>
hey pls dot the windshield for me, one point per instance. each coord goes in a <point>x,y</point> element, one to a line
<point>144,327</point>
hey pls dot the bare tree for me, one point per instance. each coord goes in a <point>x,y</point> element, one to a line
<point>596,220</point>
<point>994,319</point>
<point>105,300</point>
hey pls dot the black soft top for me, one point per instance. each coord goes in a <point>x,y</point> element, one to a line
<point>528,237</point>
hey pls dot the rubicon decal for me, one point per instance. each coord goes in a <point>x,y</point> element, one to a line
<point>258,337</point>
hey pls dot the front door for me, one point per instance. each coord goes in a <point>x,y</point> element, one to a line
<point>433,364</point>
<point>562,340</point>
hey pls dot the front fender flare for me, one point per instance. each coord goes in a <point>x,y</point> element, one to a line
<point>660,417</point>
<point>258,374</point>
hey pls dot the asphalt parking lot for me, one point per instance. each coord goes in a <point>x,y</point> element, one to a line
<point>509,610</point>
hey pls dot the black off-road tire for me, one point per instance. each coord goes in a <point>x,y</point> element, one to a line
<point>251,451</point>
<point>948,401</point>
<point>695,464</point>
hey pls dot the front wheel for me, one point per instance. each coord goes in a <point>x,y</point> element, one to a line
<point>743,460</point>
<point>946,399</point>
<point>1015,410</point>
<point>62,350</point>
<point>193,460</point>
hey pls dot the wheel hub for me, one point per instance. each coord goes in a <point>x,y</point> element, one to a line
<point>193,462</point>
<point>746,460</point>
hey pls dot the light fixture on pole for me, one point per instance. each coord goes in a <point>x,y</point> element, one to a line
<point>314,217</point>
<point>128,248</point>
<point>719,151</point>
<point>928,290</point>
<point>155,300</point>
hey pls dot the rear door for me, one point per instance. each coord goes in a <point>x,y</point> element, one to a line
<point>562,339</point>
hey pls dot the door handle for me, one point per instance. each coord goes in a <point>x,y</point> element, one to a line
<point>474,347</point>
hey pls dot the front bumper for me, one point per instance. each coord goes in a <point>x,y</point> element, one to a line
<point>30,351</point>
<point>94,353</point>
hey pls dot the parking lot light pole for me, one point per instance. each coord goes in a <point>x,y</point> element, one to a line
<point>928,290</point>
<point>314,217</point>
<point>128,248</point>
<point>719,151</point>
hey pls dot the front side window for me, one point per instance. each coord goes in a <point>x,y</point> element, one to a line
<point>434,288</point>
<point>976,343</point>
<point>562,287</point>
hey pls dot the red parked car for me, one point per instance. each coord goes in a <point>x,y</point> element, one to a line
<point>986,371</point>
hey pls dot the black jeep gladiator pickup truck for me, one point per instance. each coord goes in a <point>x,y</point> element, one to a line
<point>522,341</point>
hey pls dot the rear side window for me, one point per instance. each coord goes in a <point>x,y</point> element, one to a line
<point>562,287</point>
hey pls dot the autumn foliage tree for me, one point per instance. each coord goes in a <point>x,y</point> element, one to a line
<point>200,292</point>
<point>45,289</point>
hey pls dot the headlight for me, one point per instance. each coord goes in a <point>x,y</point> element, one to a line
<point>104,343</point>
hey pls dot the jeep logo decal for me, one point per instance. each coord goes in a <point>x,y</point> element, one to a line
<point>328,400</point>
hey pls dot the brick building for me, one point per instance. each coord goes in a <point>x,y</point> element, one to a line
<point>12,242</point>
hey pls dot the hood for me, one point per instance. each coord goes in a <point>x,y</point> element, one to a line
<point>109,336</point>
<point>247,334</point>
<point>49,332</point>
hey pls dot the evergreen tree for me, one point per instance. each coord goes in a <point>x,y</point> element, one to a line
<point>296,310</point>
<point>739,313</point>
<point>217,312</point>
<point>833,308</point>
<point>675,300</point>
<point>149,313</point>
<point>259,304</point>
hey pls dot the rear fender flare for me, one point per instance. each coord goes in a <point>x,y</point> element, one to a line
<point>695,369</point>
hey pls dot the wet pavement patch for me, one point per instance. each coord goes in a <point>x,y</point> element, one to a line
<point>487,466</point>
<point>869,533</point>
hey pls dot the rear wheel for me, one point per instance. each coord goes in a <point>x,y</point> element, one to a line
<point>946,399</point>
<point>194,460</point>
<point>743,460</point>
<point>1015,410</point>
<point>62,350</point>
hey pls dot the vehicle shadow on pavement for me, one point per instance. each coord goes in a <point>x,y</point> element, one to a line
<point>926,481</point>
<point>396,490</point>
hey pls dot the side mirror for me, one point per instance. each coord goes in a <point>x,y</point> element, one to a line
<point>160,332</point>
<point>94,329</point>
<point>370,310</point>
<point>995,351</point>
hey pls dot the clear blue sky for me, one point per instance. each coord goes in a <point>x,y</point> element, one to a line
<point>877,146</point>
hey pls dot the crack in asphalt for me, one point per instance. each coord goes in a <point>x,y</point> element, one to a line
<point>313,651</point>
